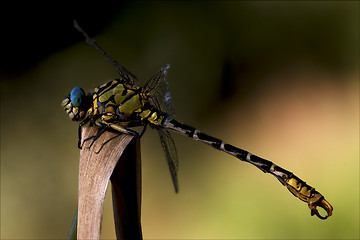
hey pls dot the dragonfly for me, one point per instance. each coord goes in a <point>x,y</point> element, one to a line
<point>121,105</point>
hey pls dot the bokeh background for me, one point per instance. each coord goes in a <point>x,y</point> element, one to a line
<point>279,79</point>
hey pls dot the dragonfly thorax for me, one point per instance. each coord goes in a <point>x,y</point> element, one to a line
<point>126,105</point>
<point>114,102</point>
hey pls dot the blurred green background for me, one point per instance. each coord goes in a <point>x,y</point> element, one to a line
<point>279,79</point>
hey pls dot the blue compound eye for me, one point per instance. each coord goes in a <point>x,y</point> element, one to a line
<point>77,96</point>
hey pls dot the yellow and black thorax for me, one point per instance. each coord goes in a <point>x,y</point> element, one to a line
<point>114,102</point>
<point>118,102</point>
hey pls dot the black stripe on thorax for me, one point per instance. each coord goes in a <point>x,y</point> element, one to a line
<point>111,99</point>
<point>107,87</point>
<point>136,92</point>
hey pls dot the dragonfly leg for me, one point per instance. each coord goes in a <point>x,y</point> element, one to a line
<point>82,123</point>
<point>94,138</point>
<point>107,141</point>
<point>121,129</point>
<point>142,131</point>
<point>79,137</point>
<point>103,127</point>
<point>106,126</point>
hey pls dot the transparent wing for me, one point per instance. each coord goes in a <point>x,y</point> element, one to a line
<point>158,88</point>
<point>125,75</point>
<point>171,154</point>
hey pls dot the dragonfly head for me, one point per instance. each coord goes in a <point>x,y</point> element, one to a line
<point>75,105</point>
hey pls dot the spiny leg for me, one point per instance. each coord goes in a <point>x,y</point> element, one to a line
<point>118,135</point>
<point>107,126</point>
<point>79,137</point>
<point>107,141</point>
<point>120,129</point>
<point>82,123</point>
<point>128,131</point>
<point>142,131</point>
<point>94,138</point>
<point>102,129</point>
<point>104,125</point>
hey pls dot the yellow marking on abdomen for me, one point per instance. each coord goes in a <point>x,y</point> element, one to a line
<point>145,114</point>
<point>155,119</point>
